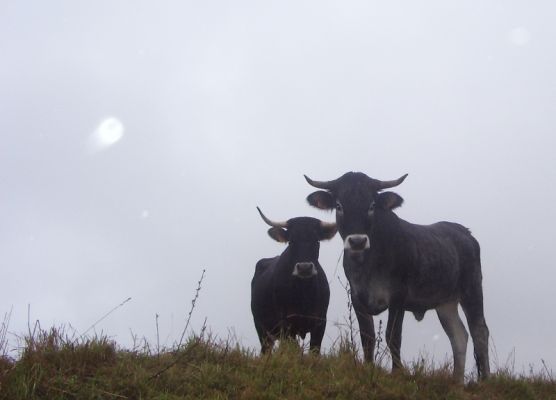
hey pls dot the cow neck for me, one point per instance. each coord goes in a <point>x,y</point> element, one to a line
<point>384,230</point>
<point>285,262</point>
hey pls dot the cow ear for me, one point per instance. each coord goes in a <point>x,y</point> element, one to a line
<point>278,234</point>
<point>389,200</point>
<point>321,199</point>
<point>327,231</point>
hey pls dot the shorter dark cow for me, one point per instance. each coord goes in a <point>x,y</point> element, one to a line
<point>290,293</point>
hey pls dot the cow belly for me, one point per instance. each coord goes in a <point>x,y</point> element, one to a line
<point>435,280</point>
<point>295,321</point>
<point>430,290</point>
<point>301,324</point>
<point>419,301</point>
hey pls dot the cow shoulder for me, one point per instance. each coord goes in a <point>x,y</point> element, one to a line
<point>264,264</point>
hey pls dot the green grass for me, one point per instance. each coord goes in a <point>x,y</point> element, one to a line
<point>53,366</point>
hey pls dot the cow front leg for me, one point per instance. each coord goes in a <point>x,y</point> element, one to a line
<point>267,342</point>
<point>394,335</point>
<point>317,333</point>
<point>366,331</point>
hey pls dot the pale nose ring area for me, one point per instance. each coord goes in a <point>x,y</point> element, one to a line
<point>304,270</point>
<point>356,242</point>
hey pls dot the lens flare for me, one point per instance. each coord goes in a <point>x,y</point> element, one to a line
<point>109,132</point>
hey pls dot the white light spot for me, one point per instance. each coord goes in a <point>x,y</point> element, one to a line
<point>520,36</point>
<point>109,132</point>
<point>435,337</point>
<point>145,214</point>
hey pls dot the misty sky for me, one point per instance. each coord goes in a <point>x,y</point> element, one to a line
<point>138,137</point>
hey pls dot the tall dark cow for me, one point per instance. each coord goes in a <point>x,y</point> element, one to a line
<point>395,265</point>
<point>290,293</point>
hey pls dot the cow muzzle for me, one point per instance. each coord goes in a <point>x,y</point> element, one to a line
<point>355,246</point>
<point>304,270</point>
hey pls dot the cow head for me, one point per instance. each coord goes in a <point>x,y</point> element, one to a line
<point>303,235</point>
<point>352,195</point>
<point>376,284</point>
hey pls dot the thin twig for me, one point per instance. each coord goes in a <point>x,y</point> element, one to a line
<point>119,396</point>
<point>379,353</point>
<point>157,338</point>
<point>192,308</point>
<point>548,371</point>
<point>183,354</point>
<point>350,317</point>
<point>60,390</point>
<point>4,332</point>
<point>134,338</point>
<point>29,322</point>
<point>196,343</point>
<point>338,263</point>
<point>105,315</point>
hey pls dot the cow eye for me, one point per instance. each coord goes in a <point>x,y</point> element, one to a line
<point>339,207</point>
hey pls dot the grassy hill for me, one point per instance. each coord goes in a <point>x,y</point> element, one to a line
<point>53,366</point>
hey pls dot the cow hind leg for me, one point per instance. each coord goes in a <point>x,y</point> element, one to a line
<point>454,328</point>
<point>473,308</point>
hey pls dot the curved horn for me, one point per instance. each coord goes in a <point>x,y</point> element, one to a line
<point>388,184</point>
<point>327,185</point>
<point>272,223</point>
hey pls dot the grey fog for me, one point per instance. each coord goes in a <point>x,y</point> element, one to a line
<point>138,137</point>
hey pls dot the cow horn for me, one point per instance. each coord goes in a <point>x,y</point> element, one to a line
<point>388,184</point>
<point>327,185</point>
<point>272,223</point>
